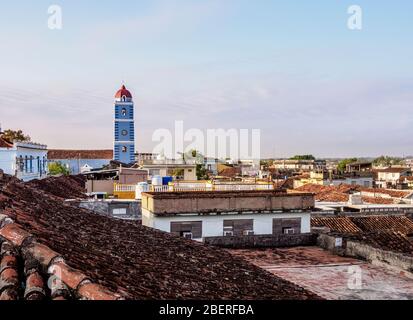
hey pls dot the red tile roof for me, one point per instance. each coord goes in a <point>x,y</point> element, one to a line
<point>336,224</point>
<point>400,224</point>
<point>102,258</point>
<point>385,240</point>
<point>342,193</point>
<point>5,143</point>
<point>79,154</point>
<point>392,170</point>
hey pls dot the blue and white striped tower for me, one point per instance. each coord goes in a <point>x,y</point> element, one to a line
<point>124,144</point>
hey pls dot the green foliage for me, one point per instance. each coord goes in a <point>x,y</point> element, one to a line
<point>201,172</point>
<point>386,161</point>
<point>15,135</point>
<point>266,163</point>
<point>177,173</point>
<point>303,157</point>
<point>56,169</point>
<point>342,165</point>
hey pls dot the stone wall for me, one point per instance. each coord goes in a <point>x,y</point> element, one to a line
<point>271,241</point>
<point>354,249</point>
<point>379,257</point>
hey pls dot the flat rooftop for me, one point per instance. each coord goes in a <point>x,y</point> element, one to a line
<point>329,275</point>
<point>167,203</point>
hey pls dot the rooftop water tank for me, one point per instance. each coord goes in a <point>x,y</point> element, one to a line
<point>157,181</point>
<point>166,180</point>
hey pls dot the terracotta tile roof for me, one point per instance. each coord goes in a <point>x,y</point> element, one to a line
<point>69,187</point>
<point>392,170</point>
<point>391,193</point>
<point>385,240</point>
<point>32,271</point>
<point>230,172</point>
<point>79,154</point>
<point>329,193</point>
<point>401,224</point>
<point>5,143</point>
<point>336,224</point>
<point>342,193</point>
<point>97,257</point>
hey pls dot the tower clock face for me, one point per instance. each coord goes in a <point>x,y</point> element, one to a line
<point>124,132</point>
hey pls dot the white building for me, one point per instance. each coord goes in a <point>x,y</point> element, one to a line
<point>390,176</point>
<point>197,215</point>
<point>24,160</point>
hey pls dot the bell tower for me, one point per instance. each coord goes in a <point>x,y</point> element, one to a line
<point>124,133</point>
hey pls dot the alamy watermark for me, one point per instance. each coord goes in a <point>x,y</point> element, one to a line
<point>355,21</point>
<point>55,20</point>
<point>355,278</point>
<point>235,144</point>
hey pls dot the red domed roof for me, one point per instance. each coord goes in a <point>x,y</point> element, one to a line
<point>123,92</point>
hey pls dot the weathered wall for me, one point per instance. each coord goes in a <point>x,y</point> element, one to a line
<point>175,203</point>
<point>133,208</point>
<point>100,186</point>
<point>380,257</point>
<point>213,225</point>
<point>354,249</point>
<point>275,241</point>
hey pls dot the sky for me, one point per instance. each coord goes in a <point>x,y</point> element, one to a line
<point>292,69</point>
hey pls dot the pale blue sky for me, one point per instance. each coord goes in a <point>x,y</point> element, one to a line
<point>289,68</point>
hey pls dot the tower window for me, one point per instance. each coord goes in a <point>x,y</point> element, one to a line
<point>124,149</point>
<point>124,112</point>
<point>123,98</point>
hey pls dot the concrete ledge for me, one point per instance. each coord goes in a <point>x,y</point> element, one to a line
<point>265,241</point>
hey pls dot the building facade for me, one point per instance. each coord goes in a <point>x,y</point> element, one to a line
<point>124,131</point>
<point>80,161</point>
<point>198,215</point>
<point>24,160</point>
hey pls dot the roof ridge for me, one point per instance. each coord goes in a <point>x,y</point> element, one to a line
<point>53,264</point>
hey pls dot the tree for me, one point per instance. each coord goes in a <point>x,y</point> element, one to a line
<point>342,165</point>
<point>303,157</point>
<point>178,172</point>
<point>15,135</point>
<point>386,161</point>
<point>201,172</point>
<point>56,168</point>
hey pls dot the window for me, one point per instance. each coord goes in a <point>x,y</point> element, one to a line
<point>124,132</point>
<point>124,149</point>
<point>123,98</point>
<point>288,231</point>
<point>124,112</point>
<point>119,211</point>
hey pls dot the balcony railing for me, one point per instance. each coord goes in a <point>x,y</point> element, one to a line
<point>126,191</point>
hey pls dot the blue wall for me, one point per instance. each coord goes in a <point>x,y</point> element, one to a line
<point>124,132</point>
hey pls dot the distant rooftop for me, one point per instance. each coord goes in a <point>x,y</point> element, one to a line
<point>62,154</point>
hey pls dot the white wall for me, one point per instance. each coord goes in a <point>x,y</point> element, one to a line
<point>213,226</point>
<point>8,160</point>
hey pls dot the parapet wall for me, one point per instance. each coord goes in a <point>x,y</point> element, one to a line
<point>271,241</point>
<point>380,257</point>
<point>241,201</point>
<point>355,249</point>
